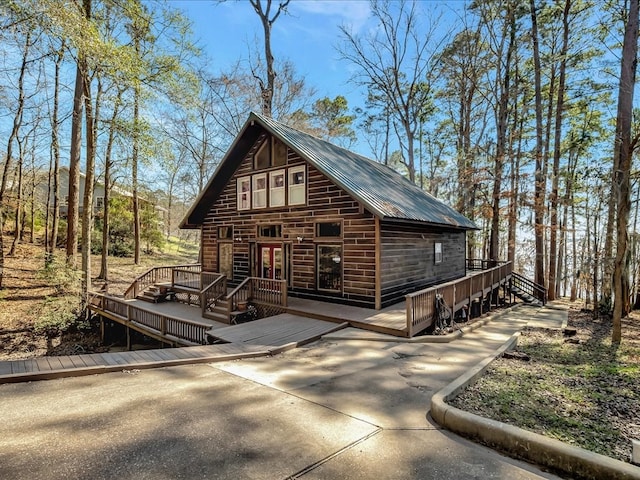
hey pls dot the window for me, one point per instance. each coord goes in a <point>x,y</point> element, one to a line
<point>276,189</point>
<point>297,186</point>
<point>329,229</point>
<point>262,159</point>
<point>244,193</point>
<point>437,256</point>
<point>260,190</point>
<point>330,267</point>
<point>271,231</point>
<point>279,153</point>
<point>225,233</point>
<point>99,202</point>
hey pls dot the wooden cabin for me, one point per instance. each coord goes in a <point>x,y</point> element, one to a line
<point>335,225</point>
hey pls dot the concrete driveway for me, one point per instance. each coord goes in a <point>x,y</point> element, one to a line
<point>336,409</point>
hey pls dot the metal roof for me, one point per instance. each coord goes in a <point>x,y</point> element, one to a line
<point>381,190</point>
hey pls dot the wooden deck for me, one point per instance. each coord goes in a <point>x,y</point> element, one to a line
<point>46,368</point>
<point>284,331</point>
<point>263,337</point>
<point>391,320</point>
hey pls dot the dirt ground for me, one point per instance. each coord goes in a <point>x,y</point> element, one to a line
<point>25,292</point>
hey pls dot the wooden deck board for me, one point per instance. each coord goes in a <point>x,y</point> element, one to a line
<point>275,331</point>
<point>5,368</point>
<point>41,365</point>
<point>66,362</point>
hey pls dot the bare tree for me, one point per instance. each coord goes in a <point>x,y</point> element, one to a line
<point>397,64</point>
<point>268,18</point>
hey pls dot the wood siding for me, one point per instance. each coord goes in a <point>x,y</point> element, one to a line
<point>326,202</point>
<point>408,263</point>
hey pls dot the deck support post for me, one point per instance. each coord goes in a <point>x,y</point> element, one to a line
<point>128,338</point>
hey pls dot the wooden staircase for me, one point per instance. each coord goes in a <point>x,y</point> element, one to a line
<point>527,290</point>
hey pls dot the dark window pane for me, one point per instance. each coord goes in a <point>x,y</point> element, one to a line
<point>330,267</point>
<point>329,229</point>
<point>271,231</point>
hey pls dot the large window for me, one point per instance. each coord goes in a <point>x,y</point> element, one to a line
<point>276,189</point>
<point>262,158</point>
<point>330,267</point>
<point>279,153</point>
<point>244,193</point>
<point>271,188</point>
<point>297,186</point>
<point>260,190</point>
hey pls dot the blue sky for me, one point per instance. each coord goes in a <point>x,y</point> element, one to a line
<point>306,36</point>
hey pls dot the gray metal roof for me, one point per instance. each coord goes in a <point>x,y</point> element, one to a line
<point>384,192</point>
<point>381,190</point>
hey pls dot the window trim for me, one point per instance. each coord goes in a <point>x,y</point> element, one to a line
<point>282,189</point>
<point>240,192</point>
<point>255,191</point>
<point>317,229</point>
<point>437,253</point>
<point>298,186</point>
<point>265,144</point>
<point>317,267</point>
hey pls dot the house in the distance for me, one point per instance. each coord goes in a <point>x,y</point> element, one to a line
<point>335,225</point>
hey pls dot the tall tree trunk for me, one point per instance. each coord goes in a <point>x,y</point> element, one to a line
<point>539,189</point>
<point>91,118</point>
<point>266,90</point>
<point>17,232</point>
<point>623,153</point>
<point>55,148</point>
<point>108,163</point>
<point>74,165</point>
<point>553,247</point>
<point>17,123</point>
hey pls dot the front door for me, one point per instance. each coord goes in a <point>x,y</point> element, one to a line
<point>271,261</point>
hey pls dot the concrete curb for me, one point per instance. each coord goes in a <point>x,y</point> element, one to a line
<point>519,443</point>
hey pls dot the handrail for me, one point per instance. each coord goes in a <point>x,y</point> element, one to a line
<point>262,290</point>
<point>183,277</point>
<point>420,306</point>
<point>182,329</point>
<point>154,275</point>
<point>238,294</point>
<point>530,287</point>
<point>213,292</point>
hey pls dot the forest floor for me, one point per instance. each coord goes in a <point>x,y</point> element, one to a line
<point>579,389</point>
<point>30,292</point>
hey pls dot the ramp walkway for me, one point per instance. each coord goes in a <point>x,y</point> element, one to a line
<point>267,336</point>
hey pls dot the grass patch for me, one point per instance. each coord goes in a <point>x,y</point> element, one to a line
<point>585,394</point>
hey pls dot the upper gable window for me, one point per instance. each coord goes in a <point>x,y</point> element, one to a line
<point>260,190</point>
<point>297,183</point>
<point>244,193</point>
<point>262,158</point>
<point>279,153</point>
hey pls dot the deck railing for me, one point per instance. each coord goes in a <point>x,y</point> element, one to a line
<point>262,290</point>
<point>155,275</point>
<point>421,306</point>
<point>187,278</point>
<point>174,328</point>
<point>215,289</point>
<point>529,287</point>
